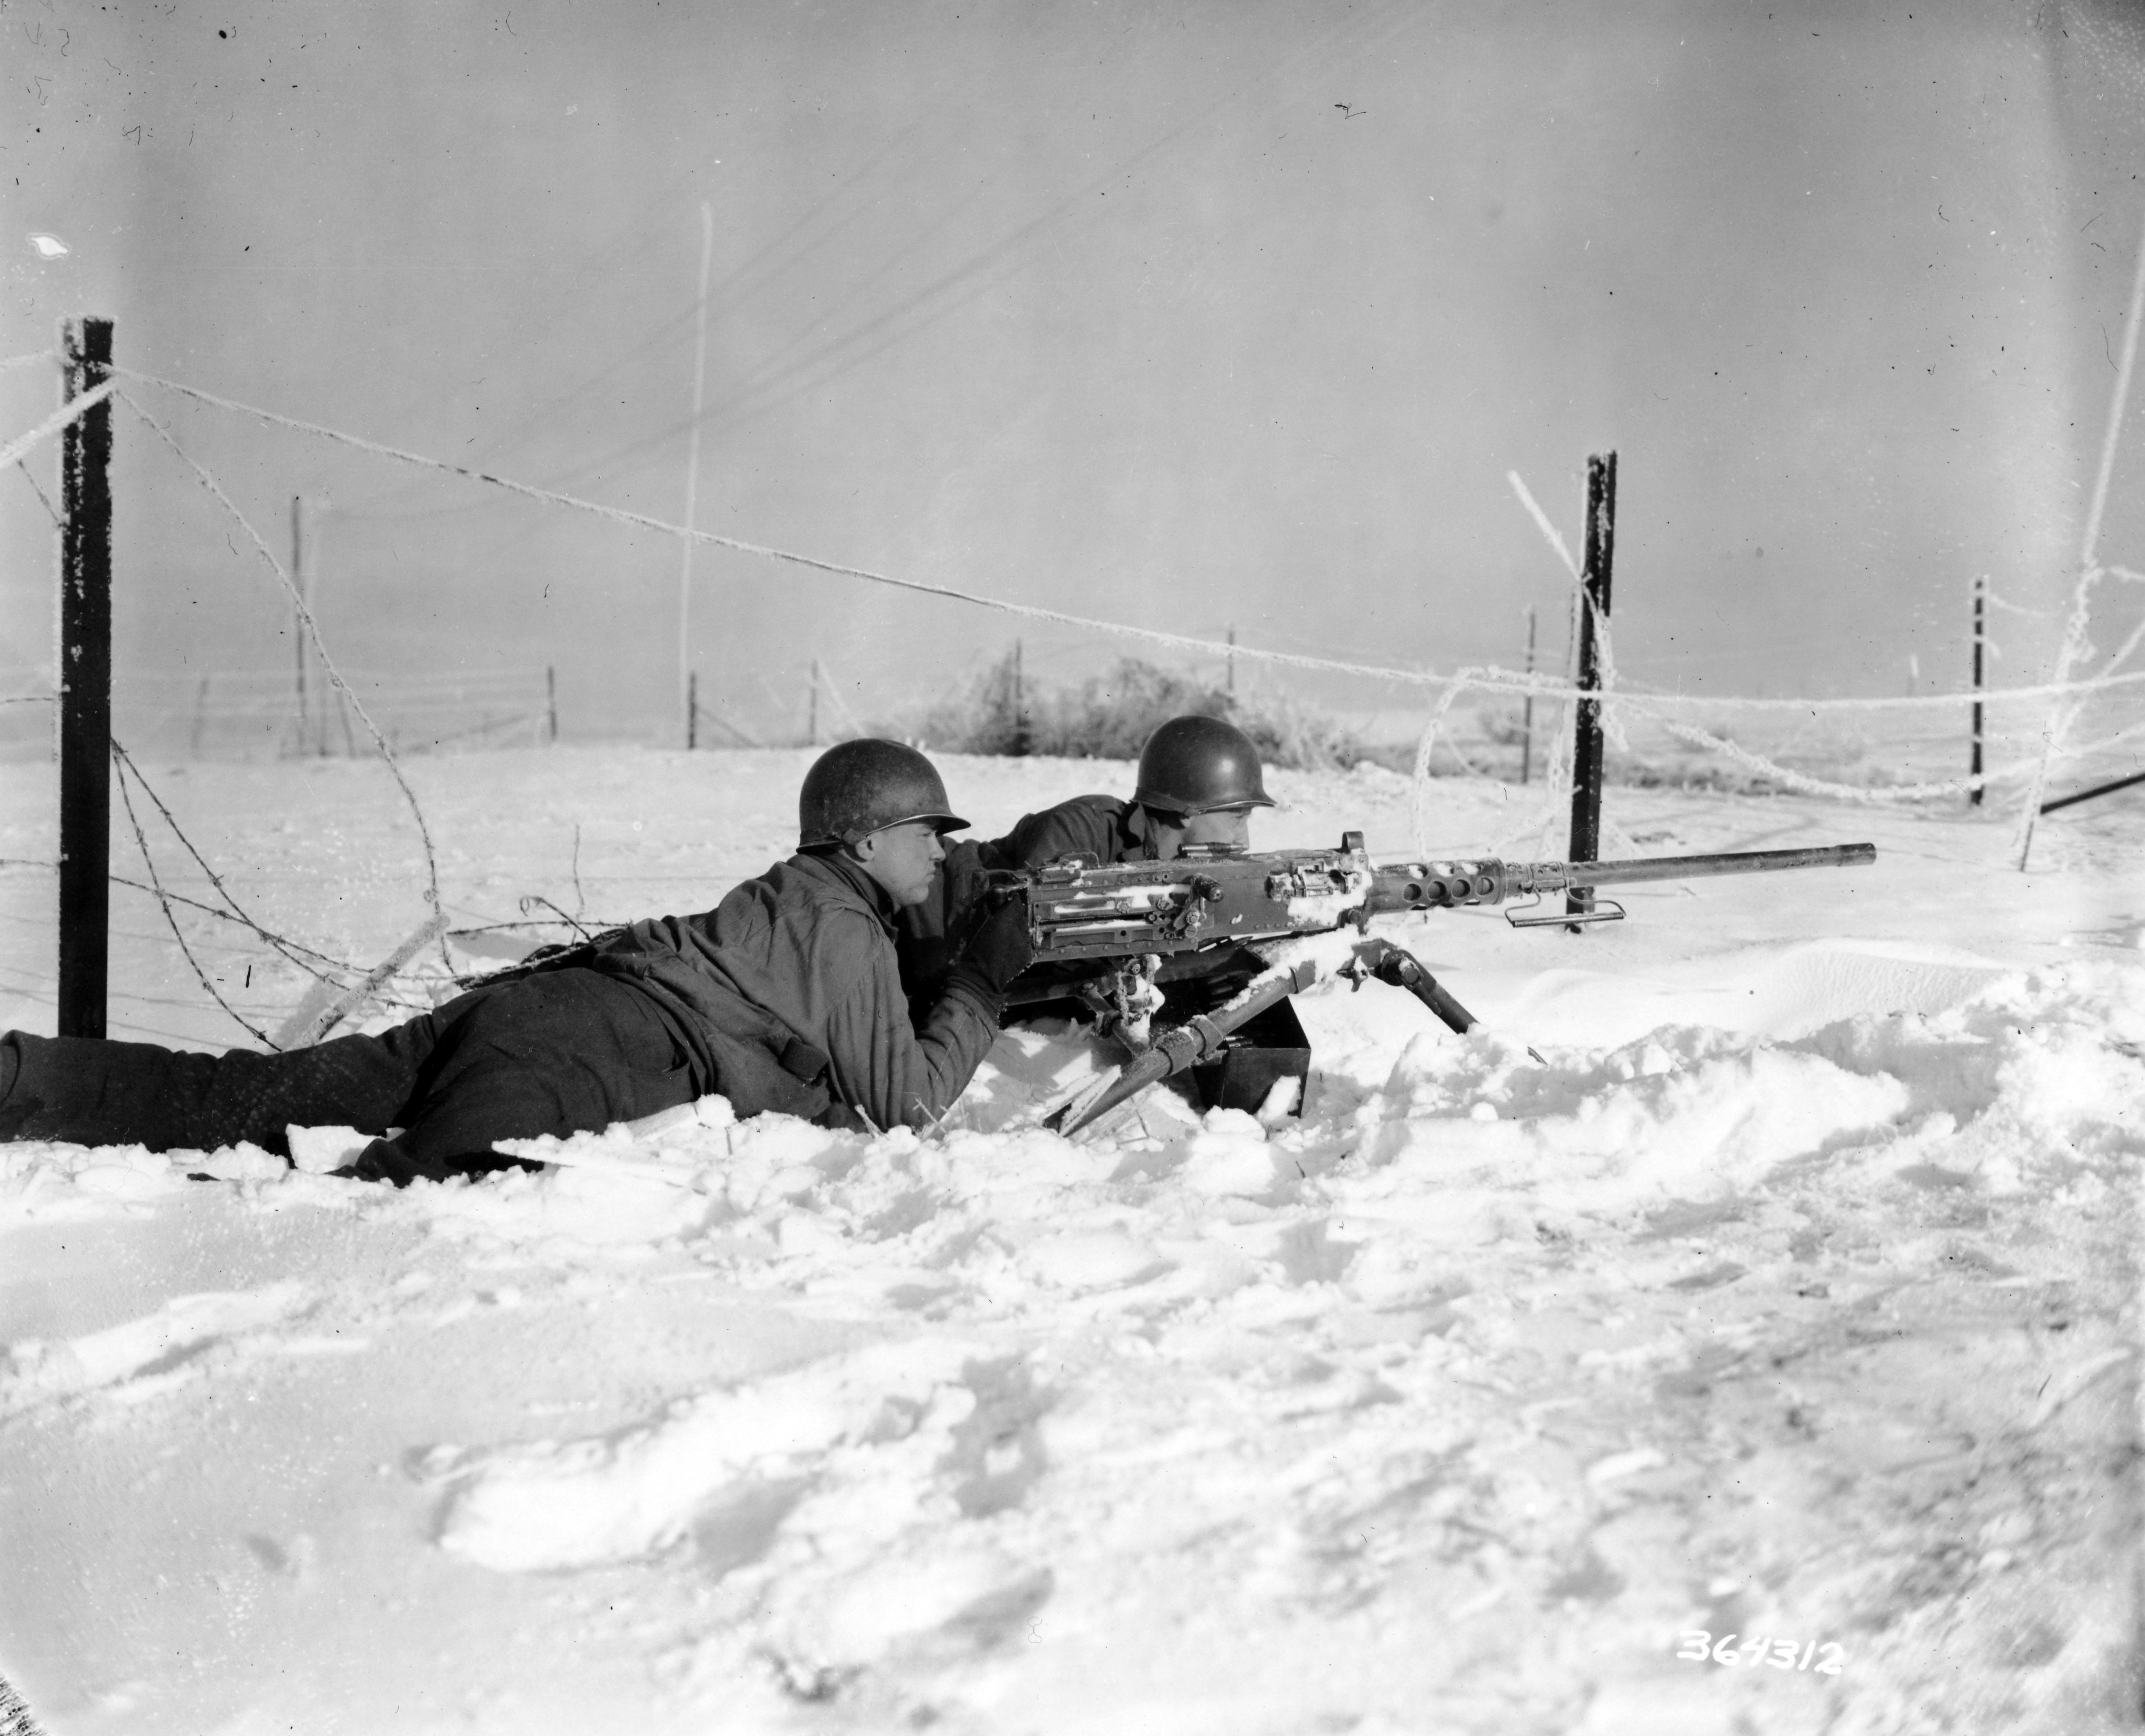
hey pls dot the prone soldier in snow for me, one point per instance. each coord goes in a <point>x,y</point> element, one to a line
<point>786,995</point>
<point>1199,779</point>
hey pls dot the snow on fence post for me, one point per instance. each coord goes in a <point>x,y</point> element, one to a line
<point>1586,730</point>
<point>85,681</point>
<point>1980,636</point>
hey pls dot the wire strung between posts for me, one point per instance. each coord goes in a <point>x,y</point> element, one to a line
<point>2075,644</point>
<point>59,418</point>
<point>224,916</point>
<point>645,521</point>
<point>157,885</point>
<point>289,949</point>
<point>313,633</point>
<point>24,361</point>
<point>23,465</point>
<point>1490,677</point>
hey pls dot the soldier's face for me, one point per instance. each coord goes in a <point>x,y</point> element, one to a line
<point>904,860</point>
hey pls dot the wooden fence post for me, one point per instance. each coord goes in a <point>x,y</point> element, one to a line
<point>85,672</point>
<point>1980,635</point>
<point>1586,745</point>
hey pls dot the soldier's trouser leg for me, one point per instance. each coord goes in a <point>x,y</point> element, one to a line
<point>88,1091</point>
<point>562,1051</point>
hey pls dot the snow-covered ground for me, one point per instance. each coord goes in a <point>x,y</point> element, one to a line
<point>1791,1297</point>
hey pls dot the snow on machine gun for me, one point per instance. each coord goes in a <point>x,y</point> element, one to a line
<point>1114,936</point>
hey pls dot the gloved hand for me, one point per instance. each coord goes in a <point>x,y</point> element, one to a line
<point>1000,949</point>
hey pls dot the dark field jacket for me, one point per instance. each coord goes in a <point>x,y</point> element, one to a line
<point>788,992</point>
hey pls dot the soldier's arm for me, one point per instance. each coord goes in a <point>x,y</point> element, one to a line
<point>899,1074</point>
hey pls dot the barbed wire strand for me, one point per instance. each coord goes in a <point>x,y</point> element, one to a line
<point>238,912</point>
<point>59,418</point>
<point>335,674</point>
<point>2075,645</point>
<point>172,922</point>
<point>224,916</point>
<point>1490,677</point>
<point>23,465</point>
<point>24,361</point>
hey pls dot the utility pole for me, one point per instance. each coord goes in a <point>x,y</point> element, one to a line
<point>85,679</point>
<point>1586,745</point>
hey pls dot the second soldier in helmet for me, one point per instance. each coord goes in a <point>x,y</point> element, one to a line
<point>1198,781</point>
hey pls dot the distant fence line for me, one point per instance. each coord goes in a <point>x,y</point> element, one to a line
<point>252,712</point>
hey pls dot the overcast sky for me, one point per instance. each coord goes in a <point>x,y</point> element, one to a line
<point>1180,315</point>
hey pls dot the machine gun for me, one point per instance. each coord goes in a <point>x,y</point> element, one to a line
<point>1115,938</point>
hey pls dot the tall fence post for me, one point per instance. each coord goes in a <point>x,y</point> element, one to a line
<point>691,710</point>
<point>552,702</point>
<point>1527,707</point>
<point>1586,744</point>
<point>85,673</point>
<point>812,706</point>
<point>1980,635</point>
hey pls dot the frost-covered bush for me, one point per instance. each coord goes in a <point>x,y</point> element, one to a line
<point>1110,717</point>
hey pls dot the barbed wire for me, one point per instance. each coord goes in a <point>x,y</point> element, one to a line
<point>58,420</point>
<point>1488,677</point>
<point>312,632</point>
<point>289,949</point>
<point>50,510</point>
<point>157,885</point>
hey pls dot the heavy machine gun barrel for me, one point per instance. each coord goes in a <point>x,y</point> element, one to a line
<point>1442,885</point>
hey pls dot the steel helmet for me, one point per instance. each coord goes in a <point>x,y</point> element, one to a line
<point>856,788</point>
<point>1196,764</point>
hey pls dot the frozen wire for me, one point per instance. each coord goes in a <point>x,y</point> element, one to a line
<point>289,949</point>
<point>224,916</point>
<point>23,465</point>
<point>2074,643</point>
<point>163,903</point>
<point>59,418</point>
<point>13,362</point>
<point>312,632</point>
<point>1804,784</point>
<point>1490,677</point>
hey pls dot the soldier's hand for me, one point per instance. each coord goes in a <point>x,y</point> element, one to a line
<point>1000,948</point>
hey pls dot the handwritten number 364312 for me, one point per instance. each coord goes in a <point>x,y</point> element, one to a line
<point>1697,1646</point>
